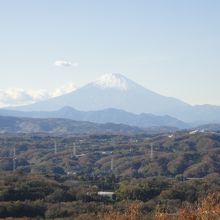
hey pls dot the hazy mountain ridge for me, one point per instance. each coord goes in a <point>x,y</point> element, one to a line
<point>62,126</point>
<point>209,127</point>
<point>103,116</point>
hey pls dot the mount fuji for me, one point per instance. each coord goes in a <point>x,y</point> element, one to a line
<point>118,92</point>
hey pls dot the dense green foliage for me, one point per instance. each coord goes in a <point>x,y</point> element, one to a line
<point>180,170</point>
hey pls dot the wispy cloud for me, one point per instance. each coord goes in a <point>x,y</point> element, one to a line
<point>64,63</point>
<point>69,87</point>
<point>18,96</point>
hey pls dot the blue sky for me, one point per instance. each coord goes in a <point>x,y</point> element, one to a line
<point>171,47</point>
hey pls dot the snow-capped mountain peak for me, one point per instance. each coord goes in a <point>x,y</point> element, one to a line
<point>111,80</point>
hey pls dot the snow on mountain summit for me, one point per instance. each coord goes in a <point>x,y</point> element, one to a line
<point>111,80</point>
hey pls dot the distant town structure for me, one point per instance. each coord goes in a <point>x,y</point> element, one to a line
<point>104,194</point>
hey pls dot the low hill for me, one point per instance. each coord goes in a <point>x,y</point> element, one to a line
<point>103,116</point>
<point>61,126</point>
<point>66,126</point>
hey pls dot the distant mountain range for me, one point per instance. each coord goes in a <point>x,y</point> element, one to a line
<point>10,124</point>
<point>116,91</point>
<point>103,116</point>
<point>209,127</point>
<point>66,126</point>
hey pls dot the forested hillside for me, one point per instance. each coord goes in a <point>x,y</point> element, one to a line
<point>59,177</point>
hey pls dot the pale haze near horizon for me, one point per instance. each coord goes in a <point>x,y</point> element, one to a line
<point>170,47</point>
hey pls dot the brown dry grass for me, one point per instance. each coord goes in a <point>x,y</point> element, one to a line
<point>133,213</point>
<point>207,209</point>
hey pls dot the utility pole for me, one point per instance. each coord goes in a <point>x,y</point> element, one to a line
<point>151,152</point>
<point>74,150</point>
<point>14,160</point>
<point>112,164</point>
<point>5,141</point>
<point>67,167</point>
<point>55,147</point>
